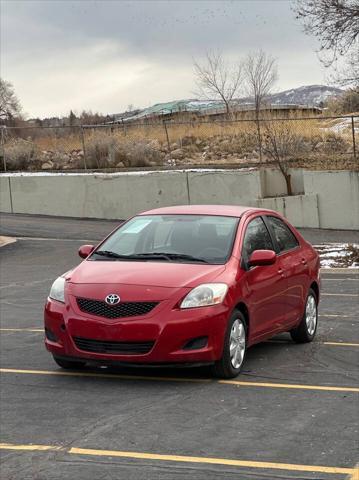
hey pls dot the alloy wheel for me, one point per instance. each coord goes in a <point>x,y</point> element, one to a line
<point>237,343</point>
<point>311,314</point>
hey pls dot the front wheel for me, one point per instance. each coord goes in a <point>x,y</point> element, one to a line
<point>68,364</point>
<point>234,349</point>
<point>306,330</point>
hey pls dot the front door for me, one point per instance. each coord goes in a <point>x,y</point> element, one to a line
<point>265,287</point>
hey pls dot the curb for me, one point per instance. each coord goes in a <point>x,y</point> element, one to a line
<point>347,271</point>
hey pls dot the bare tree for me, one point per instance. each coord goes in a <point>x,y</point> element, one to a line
<point>334,22</point>
<point>216,79</point>
<point>260,72</point>
<point>348,73</point>
<point>9,103</point>
<point>281,143</point>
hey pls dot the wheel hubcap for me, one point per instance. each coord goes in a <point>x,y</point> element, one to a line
<point>237,343</point>
<point>311,314</point>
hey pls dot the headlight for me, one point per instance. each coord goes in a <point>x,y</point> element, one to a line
<point>205,295</point>
<point>58,289</point>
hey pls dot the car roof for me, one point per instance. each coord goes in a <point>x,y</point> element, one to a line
<point>225,210</point>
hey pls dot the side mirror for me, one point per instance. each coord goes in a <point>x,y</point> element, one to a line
<point>85,250</point>
<point>262,257</point>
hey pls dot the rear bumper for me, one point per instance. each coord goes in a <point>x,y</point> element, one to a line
<point>170,330</point>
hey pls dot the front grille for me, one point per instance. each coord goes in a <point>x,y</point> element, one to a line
<point>104,346</point>
<point>125,309</point>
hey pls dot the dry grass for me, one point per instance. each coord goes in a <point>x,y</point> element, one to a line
<point>322,143</point>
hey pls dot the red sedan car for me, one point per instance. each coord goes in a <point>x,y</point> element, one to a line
<point>185,285</point>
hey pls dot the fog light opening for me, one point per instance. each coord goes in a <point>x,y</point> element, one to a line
<point>196,343</point>
<point>50,335</point>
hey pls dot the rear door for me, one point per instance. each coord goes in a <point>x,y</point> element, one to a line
<point>294,267</point>
<point>265,286</point>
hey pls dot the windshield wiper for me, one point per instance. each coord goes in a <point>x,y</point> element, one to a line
<point>135,256</point>
<point>109,254</point>
<point>151,256</point>
<point>182,256</point>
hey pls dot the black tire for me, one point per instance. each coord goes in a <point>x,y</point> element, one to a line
<point>224,367</point>
<point>305,331</point>
<point>68,364</point>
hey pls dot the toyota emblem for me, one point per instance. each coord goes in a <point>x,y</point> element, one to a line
<point>112,299</point>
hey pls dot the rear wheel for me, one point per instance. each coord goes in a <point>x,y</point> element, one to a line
<point>234,349</point>
<point>306,330</point>
<point>68,364</point>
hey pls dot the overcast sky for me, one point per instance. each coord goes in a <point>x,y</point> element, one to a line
<point>104,55</point>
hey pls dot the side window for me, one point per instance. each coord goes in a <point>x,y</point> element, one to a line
<point>285,238</point>
<point>256,238</point>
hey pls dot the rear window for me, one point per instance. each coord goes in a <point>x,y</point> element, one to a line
<point>286,240</point>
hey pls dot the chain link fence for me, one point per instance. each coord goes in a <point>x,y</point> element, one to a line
<point>313,142</point>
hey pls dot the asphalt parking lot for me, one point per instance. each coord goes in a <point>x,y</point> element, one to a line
<point>292,413</point>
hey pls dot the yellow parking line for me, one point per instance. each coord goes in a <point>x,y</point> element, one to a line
<point>185,459</point>
<point>290,386</point>
<point>355,474</point>
<point>22,330</point>
<point>339,294</point>
<point>179,379</point>
<point>31,447</point>
<point>342,344</point>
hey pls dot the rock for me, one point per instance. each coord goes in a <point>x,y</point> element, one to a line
<point>198,142</point>
<point>47,165</point>
<point>171,162</point>
<point>120,165</point>
<point>177,154</point>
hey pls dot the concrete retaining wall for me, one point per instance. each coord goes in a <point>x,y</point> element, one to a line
<point>331,198</point>
<point>300,210</point>
<point>224,187</point>
<point>97,196</point>
<point>5,195</point>
<point>273,183</point>
<point>338,197</point>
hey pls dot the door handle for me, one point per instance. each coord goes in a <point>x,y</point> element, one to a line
<point>304,261</point>
<point>280,271</point>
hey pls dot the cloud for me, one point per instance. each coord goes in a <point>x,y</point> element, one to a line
<point>104,55</point>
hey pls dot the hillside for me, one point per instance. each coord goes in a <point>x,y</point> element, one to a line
<point>312,95</point>
<point>308,95</point>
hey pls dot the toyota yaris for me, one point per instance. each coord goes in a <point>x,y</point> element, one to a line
<point>187,285</point>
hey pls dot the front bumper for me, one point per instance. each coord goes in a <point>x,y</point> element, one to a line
<point>170,329</point>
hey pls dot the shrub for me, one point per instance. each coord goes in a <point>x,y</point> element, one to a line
<point>103,150</point>
<point>139,154</point>
<point>334,143</point>
<point>100,149</point>
<point>20,155</point>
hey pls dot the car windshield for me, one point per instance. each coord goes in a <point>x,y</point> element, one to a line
<point>174,238</point>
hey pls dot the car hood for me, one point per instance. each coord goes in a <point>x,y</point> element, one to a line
<point>156,274</point>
